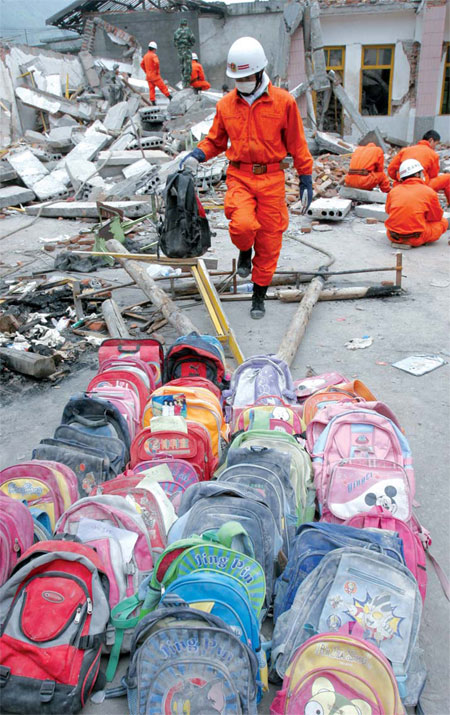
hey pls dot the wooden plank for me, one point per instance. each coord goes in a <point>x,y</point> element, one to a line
<point>152,290</point>
<point>294,334</point>
<point>31,364</point>
<point>113,319</point>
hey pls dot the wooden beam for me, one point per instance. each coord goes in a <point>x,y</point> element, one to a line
<point>294,334</point>
<point>345,293</point>
<point>152,290</point>
<point>113,319</point>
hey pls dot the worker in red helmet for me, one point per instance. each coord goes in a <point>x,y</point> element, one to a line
<point>198,80</point>
<point>150,65</point>
<point>256,125</point>
<point>415,215</point>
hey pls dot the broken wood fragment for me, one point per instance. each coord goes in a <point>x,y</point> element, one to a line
<point>114,321</point>
<point>31,364</point>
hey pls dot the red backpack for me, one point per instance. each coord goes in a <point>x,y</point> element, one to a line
<point>149,350</point>
<point>54,612</point>
<point>194,446</point>
<point>16,533</point>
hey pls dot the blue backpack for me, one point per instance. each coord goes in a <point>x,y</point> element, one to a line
<point>186,660</point>
<point>314,541</point>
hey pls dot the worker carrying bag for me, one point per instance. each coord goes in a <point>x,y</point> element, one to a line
<point>184,232</point>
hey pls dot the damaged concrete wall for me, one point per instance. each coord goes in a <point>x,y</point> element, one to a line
<point>147,26</point>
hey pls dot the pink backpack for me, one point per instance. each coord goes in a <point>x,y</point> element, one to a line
<point>16,533</point>
<point>126,401</point>
<point>415,539</point>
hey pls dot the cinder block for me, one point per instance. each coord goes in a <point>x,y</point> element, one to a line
<point>376,197</point>
<point>371,211</point>
<point>329,209</point>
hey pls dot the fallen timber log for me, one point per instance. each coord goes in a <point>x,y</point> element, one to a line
<point>151,289</point>
<point>293,335</point>
<point>113,319</point>
<point>293,295</point>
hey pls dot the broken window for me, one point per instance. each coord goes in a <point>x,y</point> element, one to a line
<point>376,79</point>
<point>330,115</point>
<point>445,101</point>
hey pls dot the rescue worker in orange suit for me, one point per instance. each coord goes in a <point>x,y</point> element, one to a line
<point>424,152</point>
<point>415,215</point>
<point>198,80</point>
<point>256,124</point>
<point>366,169</point>
<point>150,65</point>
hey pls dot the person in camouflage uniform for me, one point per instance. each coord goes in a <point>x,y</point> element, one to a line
<point>184,40</point>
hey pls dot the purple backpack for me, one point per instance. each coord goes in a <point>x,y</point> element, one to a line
<point>16,533</point>
<point>260,380</point>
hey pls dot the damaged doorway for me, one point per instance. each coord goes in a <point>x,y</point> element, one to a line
<point>333,116</point>
<point>376,79</point>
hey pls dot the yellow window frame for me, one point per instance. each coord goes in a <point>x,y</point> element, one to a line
<point>377,66</point>
<point>446,64</point>
<point>328,49</point>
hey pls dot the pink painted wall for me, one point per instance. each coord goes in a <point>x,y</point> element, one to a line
<point>296,66</point>
<point>429,79</point>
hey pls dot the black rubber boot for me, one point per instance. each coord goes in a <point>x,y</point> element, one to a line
<point>244,265</point>
<point>153,103</point>
<point>257,311</point>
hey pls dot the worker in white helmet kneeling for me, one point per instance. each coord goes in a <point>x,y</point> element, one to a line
<point>257,125</point>
<point>415,215</point>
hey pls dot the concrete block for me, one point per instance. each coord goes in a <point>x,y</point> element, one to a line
<point>138,168</point>
<point>7,173</point>
<point>87,149</point>
<point>147,143</point>
<point>124,158</point>
<point>115,117</point>
<point>15,195</point>
<point>122,142</point>
<point>88,64</point>
<point>152,115</point>
<point>375,197</point>
<point>371,211</point>
<point>53,104</point>
<point>36,137</point>
<point>333,143</point>
<point>27,166</point>
<point>88,209</point>
<point>329,209</point>
<point>79,170</point>
<point>49,187</point>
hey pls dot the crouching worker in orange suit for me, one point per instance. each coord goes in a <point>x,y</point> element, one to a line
<point>366,169</point>
<point>198,80</point>
<point>256,124</point>
<point>424,152</point>
<point>415,215</point>
<point>150,65</point>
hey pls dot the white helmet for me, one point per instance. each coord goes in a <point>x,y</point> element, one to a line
<point>152,45</point>
<point>195,56</point>
<point>245,57</point>
<point>409,167</point>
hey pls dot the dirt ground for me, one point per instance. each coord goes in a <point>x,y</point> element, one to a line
<point>417,322</point>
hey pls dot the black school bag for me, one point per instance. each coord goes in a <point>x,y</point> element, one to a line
<point>184,233</point>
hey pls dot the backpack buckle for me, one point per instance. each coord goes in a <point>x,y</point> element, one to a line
<point>4,675</point>
<point>47,691</point>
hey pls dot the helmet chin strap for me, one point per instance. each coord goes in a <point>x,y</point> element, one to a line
<point>259,76</point>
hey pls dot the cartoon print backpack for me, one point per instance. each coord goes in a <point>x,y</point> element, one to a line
<point>338,672</point>
<point>196,355</point>
<point>261,379</point>
<point>279,418</point>
<point>45,485</point>
<point>16,533</point>
<point>354,584</point>
<point>54,612</point>
<point>149,350</point>
<point>184,232</point>
<point>313,541</point>
<point>359,434</point>
<point>184,660</point>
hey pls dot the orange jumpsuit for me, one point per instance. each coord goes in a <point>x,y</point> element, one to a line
<point>256,139</point>
<point>414,208</point>
<point>198,80</point>
<point>366,169</point>
<point>429,159</point>
<point>150,65</point>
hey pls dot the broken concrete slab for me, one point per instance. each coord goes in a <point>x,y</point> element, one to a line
<point>123,142</point>
<point>50,187</point>
<point>88,64</point>
<point>87,149</point>
<point>182,102</point>
<point>371,211</point>
<point>329,209</point>
<point>347,104</point>
<point>88,209</point>
<point>373,197</point>
<point>151,142</point>
<point>123,158</point>
<point>7,173</point>
<point>138,168</point>
<point>115,117</point>
<point>81,171</point>
<point>333,143</point>
<point>15,195</point>
<point>38,99</point>
<point>27,166</point>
